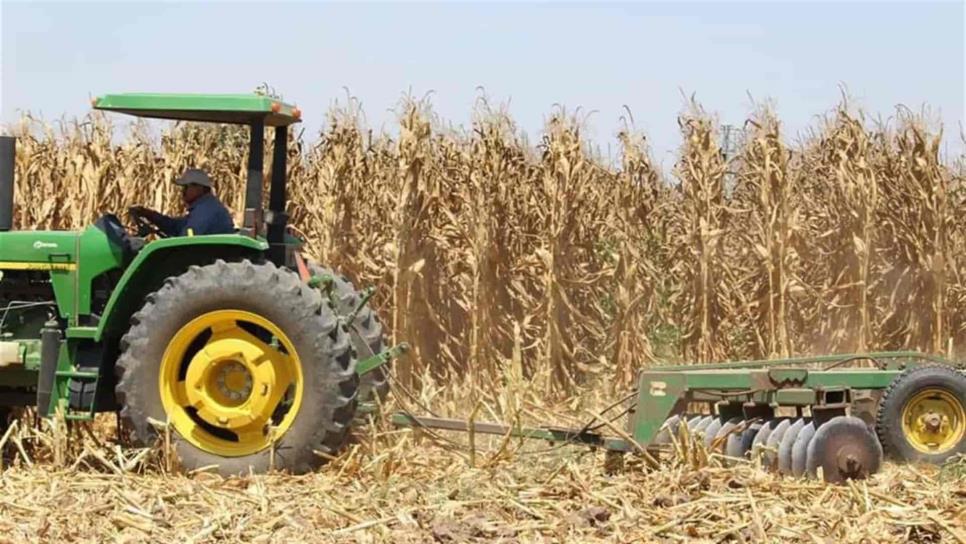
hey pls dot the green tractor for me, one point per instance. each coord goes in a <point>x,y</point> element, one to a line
<point>248,355</point>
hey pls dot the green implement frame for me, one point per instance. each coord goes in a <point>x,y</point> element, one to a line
<point>827,384</point>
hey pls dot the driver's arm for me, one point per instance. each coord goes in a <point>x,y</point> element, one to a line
<point>171,226</point>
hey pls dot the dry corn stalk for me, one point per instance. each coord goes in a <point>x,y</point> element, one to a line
<point>768,235</point>
<point>702,287</point>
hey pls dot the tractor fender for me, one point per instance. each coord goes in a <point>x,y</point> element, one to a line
<point>162,259</point>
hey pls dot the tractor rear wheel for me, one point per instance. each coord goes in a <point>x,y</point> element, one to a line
<point>922,416</point>
<point>245,363</point>
<point>365,330</point>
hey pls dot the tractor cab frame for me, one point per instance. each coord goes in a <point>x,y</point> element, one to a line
<point>255,111</point>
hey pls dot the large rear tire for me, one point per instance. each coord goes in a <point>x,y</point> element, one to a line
<point>248,366</point>
<point>365,330</point>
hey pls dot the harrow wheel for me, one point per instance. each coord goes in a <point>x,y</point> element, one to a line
<point>843,448</point>
<point>922,416</point>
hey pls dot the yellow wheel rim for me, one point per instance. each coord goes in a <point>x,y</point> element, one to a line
<point>225,388</point>
<point>934,420</point>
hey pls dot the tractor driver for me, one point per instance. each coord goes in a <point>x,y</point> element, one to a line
<point>206,214</point>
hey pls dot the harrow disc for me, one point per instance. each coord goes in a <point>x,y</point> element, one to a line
<point>669,427</point>
<point>720,440</point>
<point>845,449</point>
<point>690,421</point>
<point>761,438</point>
<point>770,458</point>
<point>702,426</point>
<point>787,443</point>
<point>800,449</point>
<point>711,431</point>
<point>698,423</point>
<point>739,444</point>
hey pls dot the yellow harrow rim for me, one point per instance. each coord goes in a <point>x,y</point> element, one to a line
<point>934,421</point>
<point>222,400</point>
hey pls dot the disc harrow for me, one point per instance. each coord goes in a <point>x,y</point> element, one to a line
<point>816,421</point>
<point>834,417</point>
<point>843,446</point>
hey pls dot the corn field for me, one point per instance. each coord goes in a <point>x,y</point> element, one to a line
<point>496,258</point>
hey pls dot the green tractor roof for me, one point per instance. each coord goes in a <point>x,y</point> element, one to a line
<point>240,109</point>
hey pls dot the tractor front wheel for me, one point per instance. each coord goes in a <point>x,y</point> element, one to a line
<point>245,363</point>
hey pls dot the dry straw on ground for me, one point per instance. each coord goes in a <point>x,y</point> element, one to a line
<point>539,276</point>
<point>397,486</point>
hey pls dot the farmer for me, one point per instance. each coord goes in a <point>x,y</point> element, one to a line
<point>206,214</point>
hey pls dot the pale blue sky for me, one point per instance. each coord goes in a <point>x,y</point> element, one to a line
<point>599,57</point>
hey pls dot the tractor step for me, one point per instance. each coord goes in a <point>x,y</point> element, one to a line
<point>77,374</point>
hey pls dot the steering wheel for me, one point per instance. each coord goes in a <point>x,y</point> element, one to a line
<point>146,227</point>
<point>112,227</point>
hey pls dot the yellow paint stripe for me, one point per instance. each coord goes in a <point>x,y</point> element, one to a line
<point>10,265</point>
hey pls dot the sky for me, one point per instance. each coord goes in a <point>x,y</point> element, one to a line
<point>645,56</point>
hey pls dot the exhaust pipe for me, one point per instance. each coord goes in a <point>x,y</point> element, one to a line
<point>8,157</point>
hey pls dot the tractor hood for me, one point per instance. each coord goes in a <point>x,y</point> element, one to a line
<point>72,258</point>
<point>38,250</point>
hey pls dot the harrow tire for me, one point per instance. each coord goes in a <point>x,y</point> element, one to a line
<point>904,389</point>
<point>328,379</point>
<point>800,449</point>
<point>365,331</point>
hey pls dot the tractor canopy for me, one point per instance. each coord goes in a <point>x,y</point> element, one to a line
<point>239,109</point>
<point>257,111</point>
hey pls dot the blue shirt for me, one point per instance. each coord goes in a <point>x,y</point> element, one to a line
<point>207,215</point>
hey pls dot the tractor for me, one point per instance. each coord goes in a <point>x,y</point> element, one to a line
<point>232,343</point>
